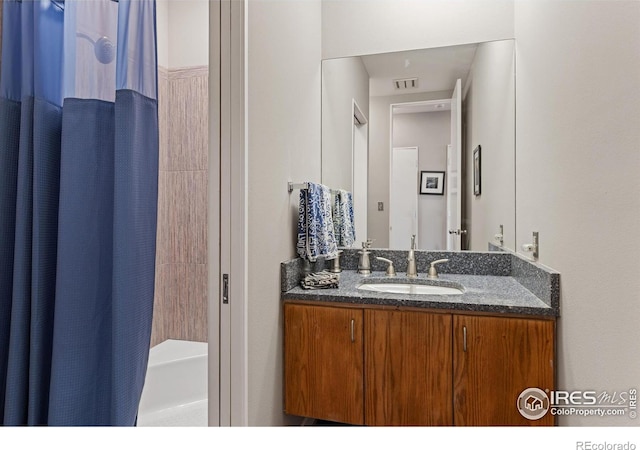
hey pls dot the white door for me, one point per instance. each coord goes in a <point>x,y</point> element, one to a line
<point>403,197</point>
<point>454,171</point>
<point>360,142</point>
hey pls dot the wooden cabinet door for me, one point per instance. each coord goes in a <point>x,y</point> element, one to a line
<point>408,368</point>
<point>499,360</point>
<point>323,363</point>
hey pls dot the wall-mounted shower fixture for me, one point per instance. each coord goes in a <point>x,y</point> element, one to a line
<point>103,48</point>
<point>533,247</point>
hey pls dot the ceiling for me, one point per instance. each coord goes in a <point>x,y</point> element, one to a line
<point>436,69</point>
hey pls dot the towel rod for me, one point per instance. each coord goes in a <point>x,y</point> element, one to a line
<point>291,186</point>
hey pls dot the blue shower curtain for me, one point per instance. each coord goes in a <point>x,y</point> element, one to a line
<point>78,203</point>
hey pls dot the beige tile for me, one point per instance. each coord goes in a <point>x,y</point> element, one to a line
<point>187,122</point>
<point>180,310</point>
<point>182,302</point>
<point>182,217</point>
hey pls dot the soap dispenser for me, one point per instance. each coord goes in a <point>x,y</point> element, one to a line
<point>335,266</point>
<point>364,265</point>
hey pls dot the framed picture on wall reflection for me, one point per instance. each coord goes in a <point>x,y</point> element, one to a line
<point>476,170</point>
<point>431,183</point>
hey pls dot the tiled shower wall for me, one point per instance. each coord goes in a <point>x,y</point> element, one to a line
<point>180,306</point>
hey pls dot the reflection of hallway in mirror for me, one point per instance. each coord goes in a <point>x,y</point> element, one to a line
<point>425,126</point>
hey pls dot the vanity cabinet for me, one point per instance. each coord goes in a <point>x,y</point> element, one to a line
<point>407,368</point>
<point>323,363</point>
<point>394,366</point>
<point>495,359</point>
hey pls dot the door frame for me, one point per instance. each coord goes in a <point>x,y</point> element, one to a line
<point>213,216</point>
<point>227,216</point>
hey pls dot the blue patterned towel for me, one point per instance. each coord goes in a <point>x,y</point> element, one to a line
<point>343,219</point>
<point>315,224</point>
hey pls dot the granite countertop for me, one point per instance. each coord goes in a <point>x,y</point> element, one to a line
<point>482,293</point>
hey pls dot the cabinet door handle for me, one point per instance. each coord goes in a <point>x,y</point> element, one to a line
<point>353,335</point>
<point>464,339</point>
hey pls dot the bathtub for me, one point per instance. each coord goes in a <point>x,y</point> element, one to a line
<point>175,388</point>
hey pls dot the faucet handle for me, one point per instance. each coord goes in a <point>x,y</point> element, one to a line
<point>391,272</point>
<point>433,273</point>
<point>367,244</point>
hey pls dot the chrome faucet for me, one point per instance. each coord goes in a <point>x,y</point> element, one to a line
<point>364,265</point>
<point>412,270</point>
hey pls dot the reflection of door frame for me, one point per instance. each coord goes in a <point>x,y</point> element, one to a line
<point>359,178</point>
<point>455,230</point>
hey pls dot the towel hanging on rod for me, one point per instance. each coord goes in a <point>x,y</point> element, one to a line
<point>343,220</point>
<point>316,236</point>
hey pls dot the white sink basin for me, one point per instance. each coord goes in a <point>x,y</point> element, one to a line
<point>406,288</point>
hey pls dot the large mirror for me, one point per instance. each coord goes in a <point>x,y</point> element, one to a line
<point>425,141</point>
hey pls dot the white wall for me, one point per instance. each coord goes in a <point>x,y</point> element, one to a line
<point>283,145</point>
<point>162,32</point>
<point>351,28</point>
<point>578,183</point>
<point>343,80</point>
<point>489,121</point>
<point>431,133</point>
<point>187,33</point>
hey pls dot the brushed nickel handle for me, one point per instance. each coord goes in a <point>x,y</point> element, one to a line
<point>353,336</point>
<point>464,339</point>
<point>391,271</point>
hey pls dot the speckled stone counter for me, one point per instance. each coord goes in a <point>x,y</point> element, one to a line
<point>493,282</point>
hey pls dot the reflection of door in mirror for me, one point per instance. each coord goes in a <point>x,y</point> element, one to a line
<point>403,191</point>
